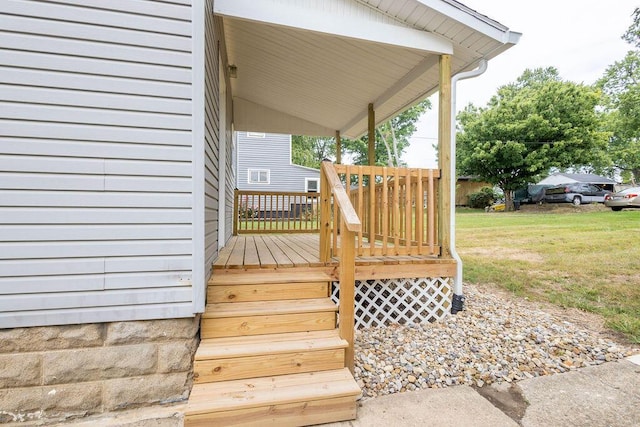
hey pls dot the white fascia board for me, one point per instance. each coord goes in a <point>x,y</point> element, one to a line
<point>351,27</point>
<point>471,19</point>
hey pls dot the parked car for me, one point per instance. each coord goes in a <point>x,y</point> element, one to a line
<point>629,198</point>
<point>577,194</point>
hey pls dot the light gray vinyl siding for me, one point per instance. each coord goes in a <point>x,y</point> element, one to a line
<point>273,152</point>
<point>96,161</point>
<point>231,171</point>
<point>211,139</point>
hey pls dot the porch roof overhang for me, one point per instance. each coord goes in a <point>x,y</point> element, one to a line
<point>302,68</point>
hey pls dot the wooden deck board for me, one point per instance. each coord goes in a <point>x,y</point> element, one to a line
<point>236,258</point>
<point>296,259</point>
<point>277,251</point>
<point>251,258</point>
<point>311,257</point>
<point>224,254</point>
<point>267,260</point>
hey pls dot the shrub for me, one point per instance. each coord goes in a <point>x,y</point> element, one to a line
<point>483,198</point>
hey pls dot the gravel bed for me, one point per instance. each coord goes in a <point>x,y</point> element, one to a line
<point>493,340</point>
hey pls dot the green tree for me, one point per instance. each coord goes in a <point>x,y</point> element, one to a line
<point>528,127</point>
<point>311,150</point>
<point>392,138</point>
<point>621,88</point>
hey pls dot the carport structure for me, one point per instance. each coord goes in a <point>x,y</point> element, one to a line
<point>330,68</point>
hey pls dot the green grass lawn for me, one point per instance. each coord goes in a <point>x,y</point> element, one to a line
<point>572,257</point>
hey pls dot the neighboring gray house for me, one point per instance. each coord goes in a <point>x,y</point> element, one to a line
<point>560,178</point>
<point>264,164</point>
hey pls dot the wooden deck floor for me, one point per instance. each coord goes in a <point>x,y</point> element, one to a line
<point>278,251</point>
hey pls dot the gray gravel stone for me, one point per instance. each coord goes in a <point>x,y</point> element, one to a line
<point>491,341</point>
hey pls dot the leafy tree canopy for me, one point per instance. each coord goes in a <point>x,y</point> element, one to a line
<point>311,150</point>
<point>531,125</point>
<point>389,146</point>
<point>391,141</point>
<point>621,87</point>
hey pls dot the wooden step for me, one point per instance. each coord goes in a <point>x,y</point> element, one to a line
<point>286,275</point>
<point>222,359</point>
<point>285,400</point>
<point>267,317</point>
<point>262,308</point>
<point>267,292</point>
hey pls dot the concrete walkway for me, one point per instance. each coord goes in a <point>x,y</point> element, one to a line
<point>597,396</point>
<point>604,395</point>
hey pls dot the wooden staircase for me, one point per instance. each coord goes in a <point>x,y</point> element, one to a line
<point>270,354</point>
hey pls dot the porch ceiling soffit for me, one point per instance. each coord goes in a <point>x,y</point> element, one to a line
<point>249,116</point>
<point>311,72</point>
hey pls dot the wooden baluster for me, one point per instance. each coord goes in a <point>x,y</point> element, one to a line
<point>360,209</point>
<point>419,212</point>
<point>325,212</point>
<point>431,213</point>
<point>347,293</point>
<point>396,211</point>
<point>385,212</point>
<point>236,202</point>
<point>336,228</point>
<point>408,217</point>
<point>372,210</point>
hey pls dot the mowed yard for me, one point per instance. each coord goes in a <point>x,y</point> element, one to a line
<point>585,257</point>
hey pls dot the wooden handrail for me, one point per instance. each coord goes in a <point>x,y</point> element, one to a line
<point>351,220</point>
<point>332,188</point>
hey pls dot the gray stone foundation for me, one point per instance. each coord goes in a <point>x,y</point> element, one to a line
<point>70,371</point>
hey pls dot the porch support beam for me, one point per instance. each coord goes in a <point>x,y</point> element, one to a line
<point>371,135</point>
<point>338,148</point>
<point>348,26</point>
<point>444,155</point>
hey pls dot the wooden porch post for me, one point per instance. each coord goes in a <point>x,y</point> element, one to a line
<point>325,216</point>
<point>338,148</point>
<point>444,155</point>
<point>372,135</point>
<point>236,201</point>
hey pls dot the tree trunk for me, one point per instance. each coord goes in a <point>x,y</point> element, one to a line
<point>386,145</point>
<point>508,200</point>
<point>396,158</point>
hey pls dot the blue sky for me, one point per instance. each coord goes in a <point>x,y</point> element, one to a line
<point>578,37</point>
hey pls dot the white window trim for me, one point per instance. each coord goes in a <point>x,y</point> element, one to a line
<point>268,171</point>
<point>306,184</point>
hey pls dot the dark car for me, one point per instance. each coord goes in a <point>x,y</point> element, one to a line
<point>577,194</point>
<point>629,198</point>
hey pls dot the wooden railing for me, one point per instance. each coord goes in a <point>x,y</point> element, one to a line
<point>332,193</point>
<point>397,207</point>
<point>275,212</point>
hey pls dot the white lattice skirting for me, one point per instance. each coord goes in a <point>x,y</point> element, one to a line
<point>381,302</point>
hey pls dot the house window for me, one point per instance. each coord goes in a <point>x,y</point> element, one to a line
<point>311,185</point>
<point>258,176</point>
<point>255,135</point>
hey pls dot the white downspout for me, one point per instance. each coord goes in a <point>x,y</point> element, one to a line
<point>458,297</point>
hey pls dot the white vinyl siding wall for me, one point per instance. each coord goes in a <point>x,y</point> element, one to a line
<point>95,161</point>
<point>211,138</point>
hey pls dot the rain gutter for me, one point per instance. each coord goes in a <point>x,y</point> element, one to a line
<point>458,297</point>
